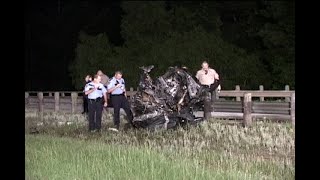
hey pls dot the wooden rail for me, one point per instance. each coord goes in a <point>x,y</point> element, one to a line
<point>243,106</point>
<point>281,107</point>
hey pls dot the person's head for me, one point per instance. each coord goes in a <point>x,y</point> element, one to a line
<point>100,72</point>
<point>88,78</point>
<point>97,78</point>
<point>205,65</point>
<point>118,74</point>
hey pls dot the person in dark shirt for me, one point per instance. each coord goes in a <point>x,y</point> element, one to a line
<point>87,79</point>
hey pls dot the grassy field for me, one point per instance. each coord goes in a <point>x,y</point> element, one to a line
<point>215,150</point>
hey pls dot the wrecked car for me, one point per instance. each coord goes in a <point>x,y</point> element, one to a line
<point>168,101</point>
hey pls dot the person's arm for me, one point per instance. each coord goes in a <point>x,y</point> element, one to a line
<point>216,75</point>
<point>89,89</point>
<point>197,75</point>
<point>219,88</point>
<point>112,87</point>
<point>124,88</point>
<point>104,91</point>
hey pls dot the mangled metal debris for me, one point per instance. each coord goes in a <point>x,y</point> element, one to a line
<point>167,101</point>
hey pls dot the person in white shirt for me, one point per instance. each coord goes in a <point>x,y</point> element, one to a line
<point>96,91</point>
<point>208,77</point>
<point>117,89</point>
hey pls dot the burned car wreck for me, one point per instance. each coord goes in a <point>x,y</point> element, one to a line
<point>167,101</point>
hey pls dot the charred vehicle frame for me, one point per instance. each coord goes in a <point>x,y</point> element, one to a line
<point>168,101</point>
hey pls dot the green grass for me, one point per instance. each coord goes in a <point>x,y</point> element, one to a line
<point>50,157</point>
<point>214,150</point>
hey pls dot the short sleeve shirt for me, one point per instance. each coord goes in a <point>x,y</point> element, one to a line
<point>96,93</point>
<point>113,82</point>
<point>207,79</point>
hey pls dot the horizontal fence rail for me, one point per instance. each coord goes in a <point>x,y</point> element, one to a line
<point>242,104</point>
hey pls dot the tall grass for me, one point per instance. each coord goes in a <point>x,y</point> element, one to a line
<point>214,150</point>
<point>63,158</point>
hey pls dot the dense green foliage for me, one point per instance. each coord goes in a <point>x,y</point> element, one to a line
<point>248,43</point>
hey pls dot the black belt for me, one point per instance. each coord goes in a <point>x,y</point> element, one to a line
<point>117,94</point>
<point>97,99</point>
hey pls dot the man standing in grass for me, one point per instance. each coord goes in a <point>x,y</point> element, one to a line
<point>119,99</point>
<point>96,91</point>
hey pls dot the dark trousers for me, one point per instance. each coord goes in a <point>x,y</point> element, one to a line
<point>95,108</point>
<point>214,86</point>
<point>85,103</point>
<point>212,89</point>
<point>120,101</point>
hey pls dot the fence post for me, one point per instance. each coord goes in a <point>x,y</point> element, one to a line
<point>40,97</point>
<point>74,97</point>
<point>286,88</point>
<point>50,94</point>
<point>56,101</point>
<point>213,99</point>
<point>261,89</point>
<point>238,98</point>
<point>247,109</point>
<point>26,98</point>
<point>62,94</point>
<point>293,108</point>
<point>207,106</point>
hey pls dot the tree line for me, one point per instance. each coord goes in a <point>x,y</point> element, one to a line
<point>248,43</point>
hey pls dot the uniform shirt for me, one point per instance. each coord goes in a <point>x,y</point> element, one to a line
<point>207,79</point>
<point>113,82</point>
<point>85,86</point>
<point>96,93</point>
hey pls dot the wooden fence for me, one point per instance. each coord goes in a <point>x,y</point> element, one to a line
<point>238,104</point>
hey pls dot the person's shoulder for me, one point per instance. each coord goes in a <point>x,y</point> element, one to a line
<point>112,79</point>
<point>88,84</point>
<point>199,71</point>
<point>101,85</point>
